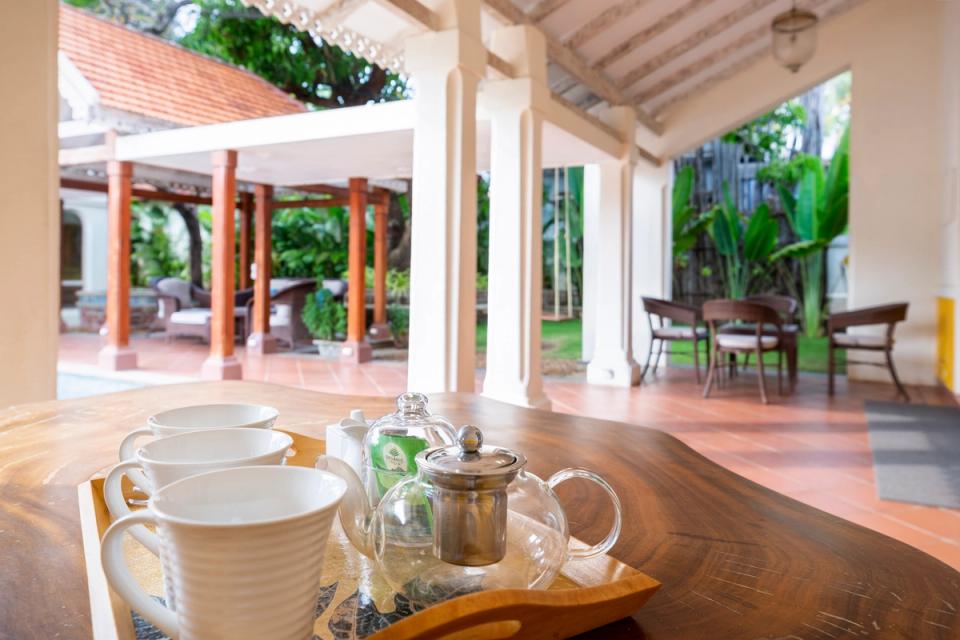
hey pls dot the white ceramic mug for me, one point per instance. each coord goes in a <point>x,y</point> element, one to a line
<point>245,551</point>
<point>196,418</point>
<point>176,457</point>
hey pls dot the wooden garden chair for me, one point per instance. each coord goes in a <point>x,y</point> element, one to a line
<point>767,335</point>
<point>838,323</point>
<point>689,331</point>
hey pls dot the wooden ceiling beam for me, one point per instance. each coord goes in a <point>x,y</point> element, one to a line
<point>695,40</point>
<point>416,11</point>
<point>650,32</point>
<point>695,67</point>
<point>574,64</point>
<point>544,8</point>
<point>747,61</point>
<point>603,22</point>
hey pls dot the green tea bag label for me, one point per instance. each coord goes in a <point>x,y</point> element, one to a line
<point>394,458</point>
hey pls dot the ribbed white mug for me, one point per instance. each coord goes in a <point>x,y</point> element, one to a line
<point>173,458</point>
<point>244,548</point>
<point>195,418</point>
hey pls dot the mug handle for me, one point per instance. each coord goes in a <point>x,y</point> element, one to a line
<point>607,543</point>
<point>113,496</point>
<point>127,449</point>
<point>122,581</point>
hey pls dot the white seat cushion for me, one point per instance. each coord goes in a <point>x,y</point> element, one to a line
<point>280,317</point>
<point>851,340</point>
<point>191,316</point>
<point>679,333</point>
<point>734,341</point>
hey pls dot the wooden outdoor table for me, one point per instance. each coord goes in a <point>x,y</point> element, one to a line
<point>736,560</point>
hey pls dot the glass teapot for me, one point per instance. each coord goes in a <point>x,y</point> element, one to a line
<point>471,519</point>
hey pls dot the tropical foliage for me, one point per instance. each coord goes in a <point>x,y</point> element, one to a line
<point>744,243</point>
<point>817,213</point>
<point>152,254</point>
<point>688,223</point>
<point>323,316</point>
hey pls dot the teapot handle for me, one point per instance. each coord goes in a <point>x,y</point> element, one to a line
<point>607,543</point>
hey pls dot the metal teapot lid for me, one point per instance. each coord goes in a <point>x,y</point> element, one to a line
<point>469,464</point>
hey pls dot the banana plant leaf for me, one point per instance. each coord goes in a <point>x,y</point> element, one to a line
<point>798,249</point>
<point>833,217</point>
<point>726,231</point>
<point>760,237</point>
<point>732,213</point>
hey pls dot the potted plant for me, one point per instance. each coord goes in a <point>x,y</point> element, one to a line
<point>399,318</point>
<point>326,320</point>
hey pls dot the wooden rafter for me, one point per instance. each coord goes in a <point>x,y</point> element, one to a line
<point>695,67</point>
<point>544,8</point>
<point>650,32</point>
<point>749,60</point>
<point>310,202</point>
<point>574,64</point>
<point>703,35</point>
<point>415,11</point>
<point>604,21</point>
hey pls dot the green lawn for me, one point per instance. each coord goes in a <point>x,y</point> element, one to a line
<point>811,354</point>
<point>561,341</point>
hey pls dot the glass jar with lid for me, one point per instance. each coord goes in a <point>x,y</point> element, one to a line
<point>392,443</point>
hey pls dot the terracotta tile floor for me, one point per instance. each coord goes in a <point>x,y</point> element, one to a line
<point>805,445</point>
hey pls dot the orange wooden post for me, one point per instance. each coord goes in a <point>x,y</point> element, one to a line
<point>356,348</point>
<point>380,330</point>
<point>222,364</point>
<point>260,341</point>
<point>246,206</point>
<point>117,354</point>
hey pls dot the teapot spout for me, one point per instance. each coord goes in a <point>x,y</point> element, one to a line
<point>355,510</point>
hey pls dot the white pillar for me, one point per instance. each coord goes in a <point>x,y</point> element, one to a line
<point>652,246</point>
<point>29,212</point>
<point>591,227</point>
<point>446,67</point>
<point>612,362</point>
<point>514,294</point>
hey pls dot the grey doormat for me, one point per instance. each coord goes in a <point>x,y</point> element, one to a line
<point>916,452</point>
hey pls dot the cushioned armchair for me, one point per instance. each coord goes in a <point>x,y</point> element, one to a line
<point>838,323</point>
<point>286,306</point>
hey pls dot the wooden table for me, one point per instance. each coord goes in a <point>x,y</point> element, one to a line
<point>736,560</point>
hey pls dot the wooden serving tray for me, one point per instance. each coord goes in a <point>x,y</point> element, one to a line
<point>355,603</point>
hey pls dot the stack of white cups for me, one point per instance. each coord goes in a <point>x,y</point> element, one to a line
<point>241,537</point>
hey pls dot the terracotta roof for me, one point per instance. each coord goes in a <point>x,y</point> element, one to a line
<point>146,75</point>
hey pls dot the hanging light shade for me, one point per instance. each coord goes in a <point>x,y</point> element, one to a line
<point>794,37</point>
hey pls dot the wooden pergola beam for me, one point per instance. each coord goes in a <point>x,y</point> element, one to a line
<point>311,202</point>
<point>142,194</point>
<point>324,189</point>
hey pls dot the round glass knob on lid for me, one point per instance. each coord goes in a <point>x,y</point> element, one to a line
<point>470,498</point>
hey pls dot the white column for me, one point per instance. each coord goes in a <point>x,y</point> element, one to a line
<point>29,212</point>
<point>612,362</point>
<point>446,67</point>
<point>516,239</point>
<point>591,227</point>
<point>652,246</point>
